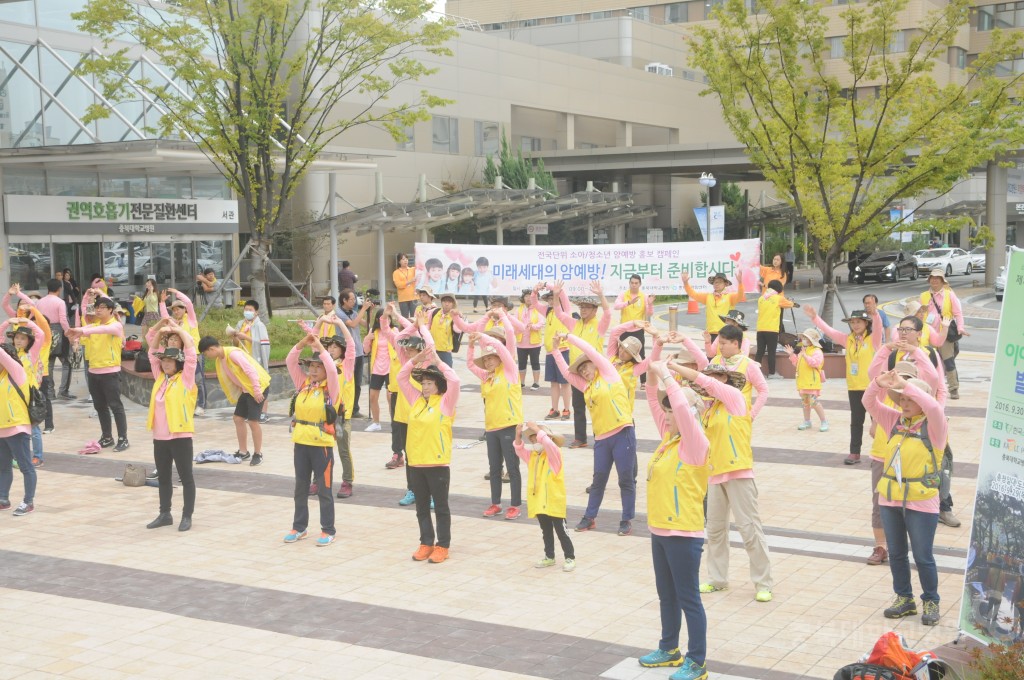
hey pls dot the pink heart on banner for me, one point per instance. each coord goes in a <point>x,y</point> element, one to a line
<point>452,253</point>
<point>465,259</point>
<point>735,257</point>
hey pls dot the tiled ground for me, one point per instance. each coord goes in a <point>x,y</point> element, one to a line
<point>89,592</point>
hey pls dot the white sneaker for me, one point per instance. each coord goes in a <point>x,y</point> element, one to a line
<point>775,376</point>
<point>372,427</point>
<point>200,411</point>
<point>569,565</point>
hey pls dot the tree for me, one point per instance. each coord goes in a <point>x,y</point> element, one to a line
<point>843,151</point>
<point>735,210</point>
<point>264,86</point>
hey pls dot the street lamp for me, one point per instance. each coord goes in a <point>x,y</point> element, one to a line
<point>708,181</point>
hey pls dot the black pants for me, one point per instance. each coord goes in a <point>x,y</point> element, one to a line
<point>432,483</point>
<point>499,449</point>
<point>945,498</point>
<point>549,526</point>
<point>529,355</point>
<point>357,378</point>
<point>768,342</point>
<point>579,415</point>
<point>639,335</point>
<point>48,395</point>
<point>179,452</point>
<point>66,371</point>
<point>398,430</point>
<point>314,464</point>
<point>857,413</point>
<point>105,389</point>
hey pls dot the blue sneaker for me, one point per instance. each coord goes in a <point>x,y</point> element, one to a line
<point>325,539</point>
<point>293,536</point>
<point>659,658</point>
<point>408,499</point>
<point>690,670</point>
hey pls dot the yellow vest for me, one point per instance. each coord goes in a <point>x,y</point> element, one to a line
<point>807,377</point>
<point>348,390</point>
<point>15,410</point>
<point>730,440</point>
<point>916,461</point>
<point>441,331</point>
<point>192,330</point>
<point>545,491</point>
<point>31,372</point>
<point>430,433</point>
<point>634,312</point>
<point>926,336</point>
<point>675,490</point>
<point>533,317</point>
<point>715,305</point>
<point>231,390</point>
<point>247,344</point>
<point>586,331</point>
<point>947,303</point>
<point>179,404</point>
<point>740,366</point>
<point>503,401</point>
<point>310,407</point>
<point>858,358</point>
<point>551,328</point>
<point>769,313</point>
<point>609,405</point>
<point>880,442</point>
<point>625,370</point>
<point>103,350</point>
<point>402,405</point>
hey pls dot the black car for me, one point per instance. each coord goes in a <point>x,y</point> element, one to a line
<point>887,265</point>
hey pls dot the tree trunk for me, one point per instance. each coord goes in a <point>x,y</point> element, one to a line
<point>258,279</point>
<point>828,289</point>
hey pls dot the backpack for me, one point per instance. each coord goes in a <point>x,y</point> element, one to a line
<point>36,403</point>
<point>132,348</point>
<point>142,363</point>
<point>933,356</point>
<point>331,414</point>
<point>456,337</point>
<point>56,340</point>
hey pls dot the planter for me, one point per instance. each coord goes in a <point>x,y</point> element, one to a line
<point>835,366</point>
<point>138,387</point>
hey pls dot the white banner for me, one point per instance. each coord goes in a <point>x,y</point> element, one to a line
<point>508,270</point>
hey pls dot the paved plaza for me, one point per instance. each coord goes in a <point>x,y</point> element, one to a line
<point>89,592</point>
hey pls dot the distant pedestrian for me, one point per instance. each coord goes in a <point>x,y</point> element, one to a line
<point>789,260</point>
<point>346,277</point>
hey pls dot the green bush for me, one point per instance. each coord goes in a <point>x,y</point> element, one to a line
<point>284,333</point>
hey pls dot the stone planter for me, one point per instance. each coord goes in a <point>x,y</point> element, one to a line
<point>139,386</point>
<point>835,366</point>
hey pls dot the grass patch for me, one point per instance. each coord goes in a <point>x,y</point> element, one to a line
<point>284,333</point>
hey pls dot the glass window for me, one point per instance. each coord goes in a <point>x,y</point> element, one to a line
<point>641,13</point>
<point>676,13</point>
<point>898,42</point>
<point>25,182</point>
<point>958,57</point>
<point>112,128</point>
<point>19,98</point>
<point>149,261</point>
<point>115,263</point>
<point>215,255</point>
<point>127,186</point>
<point>837,50</point>
<point>446,134</point>
<point>530,144</point>
<point>170,187</point>
<point>19,12</point>
<point>30,264</point>
<point>60,183</point>
<point>526,23</point>
<point>1009,15</point>
<point>56,14</point>
<point>409,143</point>
<point>211,187</point>
<point>485,134</point>
<point>565,19</point>
<point>60,128</point>
<point>601,15</point>
<point>986,18</point>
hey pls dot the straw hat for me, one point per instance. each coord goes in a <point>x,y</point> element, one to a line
<point>485,351</point>
<point>633,346</point>
<point>906,369</point>
<point>912,308</point>
<point>449,296</point>
<point>426,289</point>
<point>496,332</point>
<point>916,382</point>
<point>574,367</point>
<point>812,335</point>
<point>528,431</point>
<point>178,303</point>
<point>939,273</point>
<point>693,399</point>
<point>683,357</point>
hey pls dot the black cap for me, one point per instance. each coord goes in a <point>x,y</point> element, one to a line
<point>858,314</point>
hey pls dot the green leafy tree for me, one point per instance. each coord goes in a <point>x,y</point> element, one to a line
<point>839,155</point>
<point>263,87</point>
<point>735,210</point>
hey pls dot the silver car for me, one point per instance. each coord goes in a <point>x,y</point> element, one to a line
<point>978,259</point>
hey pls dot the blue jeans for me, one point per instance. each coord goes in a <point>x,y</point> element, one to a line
<point>677,577</point>
<point>17,447</point>
<point>37,442</point>
<point>618,450</point>
<point>446,357</point>
<point>201,382</point>
<point>920,526</point>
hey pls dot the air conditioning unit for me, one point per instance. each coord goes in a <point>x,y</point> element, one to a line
<point>660,69</point>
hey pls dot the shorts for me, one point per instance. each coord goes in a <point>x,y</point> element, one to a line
<point>531,355</point>
<point>378,382</point>
<point>551,372</point>
<point>247,407</point>
<point>808,399</point>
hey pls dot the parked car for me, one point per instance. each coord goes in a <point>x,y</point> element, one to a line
<point>950,260</point>
<point>978,259</point>
<point>886,265</point>
<point>1000,285</point>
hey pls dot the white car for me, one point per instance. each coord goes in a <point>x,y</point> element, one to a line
<point>950,260</point>
<point>1000,284</point>
<point>978,259</point>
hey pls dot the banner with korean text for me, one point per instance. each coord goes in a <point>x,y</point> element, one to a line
<point>508,270</point>
<point>992,609</point>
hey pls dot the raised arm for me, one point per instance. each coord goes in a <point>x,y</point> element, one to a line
<point>451,396</point>
<point>15,370</point>
<point>880,362</point>
<point>692,294</point>
<point>510,321</point>
<point>657,412</point>
<point>600,361</point>
<point>470,360</point>
<point>877,330</point>
<point>508,362</point>
<point>693,449</point>
<point>410,393</point>
<point>938,427</point>
<point>190,311</point>
<point>885,416</point>
<point>7,306</point>
<point>756,378</point>
<point>931,374</point>
<point>612,348</point>
<point>551,448</point>
<point>699,357</point>
<point>292,362</point>
<point>348,364</point>
<point>832,333</point>
<point>333,384</point>
<point>740,295</point>
<point>563,368</point>
<point>730,397</point>
<point>37,346</point>
<point>562,309</point>
<point>620,302</point>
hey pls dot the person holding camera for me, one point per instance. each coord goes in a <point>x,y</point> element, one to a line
<point>353,319</point>
<point>314,419</point>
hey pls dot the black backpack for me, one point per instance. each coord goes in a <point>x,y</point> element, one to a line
<point>933,356</point>
<point>456,336</point>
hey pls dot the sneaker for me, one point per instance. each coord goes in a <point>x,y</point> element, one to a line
<point>690,670</point>
<point>570,564</point>
<point>625,527</point>
<point>505,479</point>
<point>37,462</point>
<point>122,445</point>
<point>106,442</point>
<point>257,459</point>
<point>513,513</point>
<point>586,524</point>
<point>345,490</point>
<point>552,415</point>
<point>200,411</point>
<point>659,658</point>
<point>852,459</point>
<point>314,489</point>
<point>546,562</point>
<point>954,394</point>
<point>242,455</point>
<point>931,613</point>
<point>293,536</point>
<point>706,588</point>
<point>372,427</point>
<point>64,396</point>
<point>152,475</point>
<point>901,606</point>
<point>763,596</point>
<point>422,553</point>
<point>395,462</point>
<point>264,419</point>
<point>23,509</point>
<point>566,415</point>
<point>439,555</point>
<point>824,426</point>
<point>48,430</point>
<point>534,387</point>
<point>577,444</point>
<point>492,510</point>
<point>806,425</point>
<point>325,539</point>
<point>5,505</point>
<point>878,555</point>
<point>775,376</point>
<point>408,499</point>
<point>946,517</point>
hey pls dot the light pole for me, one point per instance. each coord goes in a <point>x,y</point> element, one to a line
<point>708,181</point>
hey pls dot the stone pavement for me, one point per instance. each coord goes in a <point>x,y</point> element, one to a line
<point>88,592</point>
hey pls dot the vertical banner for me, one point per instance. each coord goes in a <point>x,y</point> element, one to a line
<point>702,221</point>
<point>717,231</point>
<point>992,609</point>
<point>508,270</point>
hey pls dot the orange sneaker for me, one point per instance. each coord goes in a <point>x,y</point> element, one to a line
<point>439,555</point>
<point>423,552</point>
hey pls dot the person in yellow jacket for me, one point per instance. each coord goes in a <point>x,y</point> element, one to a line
<point>317,397</point>
<point>383,367</point>
<point>172,404</point>
<point>943,309</point>
<point>810,375</point>
<point>769,320</point>
<point>342,351</point>
<point>245,384</point>
<point>634,306</point>
<point>529,341</point>
<point>545,489</point>
<point>560,388</point>
<point>908,491</point>
<point>15,431</point>
<point>718,303</point>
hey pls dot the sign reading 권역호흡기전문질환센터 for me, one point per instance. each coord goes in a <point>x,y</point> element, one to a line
<point>83,214</point>
<point>992,609</point>
<point>508,270</point>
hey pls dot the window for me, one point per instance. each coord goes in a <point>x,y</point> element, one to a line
<point>641,13</point>
<point>214,186</point>
<point>601,15</point>
<point>837,50</point>
<point>986,18</point>
<point>129,186</point>
<point>446,134</point>
<point>565,19</point>
<point>57,14</point>
<point>170,187</point>
<point>409,143</point>
<point>589,145</point>
<point>526,23</point>
<point>898,42</point>
<point>676,13</point>
<point>20,12</point>
<point>1008,15</point>
<point>1010,67</point>
<point>485,137</point>
<point>958,57</point>
<point>30,264</point>
<point>25,182</point>
<point>529,144</point>
<point>72,183</point>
